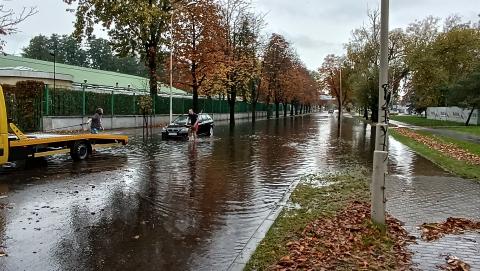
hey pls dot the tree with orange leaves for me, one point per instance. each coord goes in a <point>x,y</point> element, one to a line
<point>197,48</point>
<point>277,66</point>
<point>330,76</point>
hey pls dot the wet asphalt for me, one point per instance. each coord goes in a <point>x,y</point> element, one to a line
<point>173,205</point>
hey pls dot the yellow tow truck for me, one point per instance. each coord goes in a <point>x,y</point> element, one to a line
<point>18,146</point>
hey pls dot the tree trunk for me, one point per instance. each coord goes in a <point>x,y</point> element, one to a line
<point>291,109</point>
<point>365,113</point>
<point>285,110</point>
<point>469,116</point>
<point>195,99</point>
<point>277,110</point>
<point>254,110</point>
<point>296,108</point>
<point>152,68</point>
<point>232,97</point>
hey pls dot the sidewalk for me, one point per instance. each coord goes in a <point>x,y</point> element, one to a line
<point>420,199</point>
<point>440,131</point>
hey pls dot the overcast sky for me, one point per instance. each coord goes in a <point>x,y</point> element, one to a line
<point>315,27</point>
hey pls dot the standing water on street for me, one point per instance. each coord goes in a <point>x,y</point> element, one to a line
<point>173,205</point>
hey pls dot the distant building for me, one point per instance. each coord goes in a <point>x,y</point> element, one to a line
<point>14,69</point>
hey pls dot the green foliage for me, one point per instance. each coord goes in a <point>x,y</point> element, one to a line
<point>97,54</point>
<point>145,104</point>
<point>65,102</point>
<point>23,102</point>
<point>135,28</point>
<point>362,62</point>
<point>437,60</point>
<point>466,92</point>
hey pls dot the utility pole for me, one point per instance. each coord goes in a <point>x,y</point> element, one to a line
<point>380,156</point>
<point>171,64</point>
<point>341,94</point>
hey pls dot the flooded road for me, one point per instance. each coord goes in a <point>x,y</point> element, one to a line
<point>169,205</point>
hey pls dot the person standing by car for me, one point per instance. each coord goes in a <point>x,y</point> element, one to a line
<point>96,121</point>
<point>193,124</point>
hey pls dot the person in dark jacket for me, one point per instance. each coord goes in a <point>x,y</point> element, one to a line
<point>193,123</point>
<point>96,121</point>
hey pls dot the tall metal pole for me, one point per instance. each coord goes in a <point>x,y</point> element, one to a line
<point>171,65</point>
<point>380,156</point>
<point>84,98</point>
<point>341,94</point>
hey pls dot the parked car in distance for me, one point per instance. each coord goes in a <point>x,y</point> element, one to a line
<point>178,129</point>
<point>330,111</point>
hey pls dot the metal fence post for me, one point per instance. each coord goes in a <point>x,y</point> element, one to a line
<point>46,97</point>
<point>134,104</point>
<point>83,98</point>
<point>112,102</point>
<point>112,105</point>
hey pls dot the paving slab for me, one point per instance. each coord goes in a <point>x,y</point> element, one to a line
<point>426,199</point>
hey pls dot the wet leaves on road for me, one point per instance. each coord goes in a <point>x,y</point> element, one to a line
<point>455,264</point>
<point>448,149</point>
<point>351,241</point>
<point>435,231</point>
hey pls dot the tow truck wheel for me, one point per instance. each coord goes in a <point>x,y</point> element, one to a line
<point>80,150</point>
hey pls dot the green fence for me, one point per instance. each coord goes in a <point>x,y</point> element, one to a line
<point>64,102</point>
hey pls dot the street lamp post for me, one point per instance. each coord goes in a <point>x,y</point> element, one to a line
<point>341,93</point>
<point>171,66</point>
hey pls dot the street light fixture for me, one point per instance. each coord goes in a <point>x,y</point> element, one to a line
<point>171,58</point>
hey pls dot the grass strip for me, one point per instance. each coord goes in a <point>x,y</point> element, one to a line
<point>306,233</point>
<point>421,121</point>
<point>473,130</point>
<point>454,166</point>
<point>466,145</point>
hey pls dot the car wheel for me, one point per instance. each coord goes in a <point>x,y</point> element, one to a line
<point>80,150</point>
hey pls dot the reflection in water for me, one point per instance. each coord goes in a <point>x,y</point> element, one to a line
<point>168,205</point>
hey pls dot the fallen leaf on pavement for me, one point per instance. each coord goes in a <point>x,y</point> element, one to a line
<point>435,231</point>
<point>455,264</point>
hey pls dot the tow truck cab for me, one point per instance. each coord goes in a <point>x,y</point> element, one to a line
<point>19,146</point>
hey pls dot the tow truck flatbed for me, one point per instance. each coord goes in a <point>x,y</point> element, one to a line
<point>79,146</point>
<point>18,146</point>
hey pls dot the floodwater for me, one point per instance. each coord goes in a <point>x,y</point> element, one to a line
<point>172,205</point>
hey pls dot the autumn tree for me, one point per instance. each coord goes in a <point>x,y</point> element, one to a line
<point>330,76</point>
<point>197,48</point>
<point>135,28</point>
<point>9,20</point>
<point>241,29</point>
<point>425,67</point>
<point>277,62</point>
<point>362,63</point>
